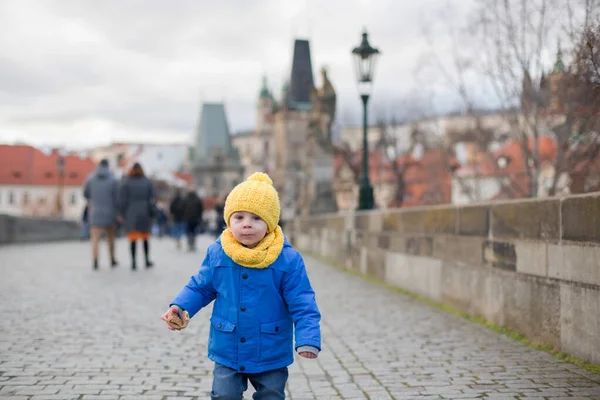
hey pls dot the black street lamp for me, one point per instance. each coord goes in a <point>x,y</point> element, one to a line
<point>365,58</point>
<point>60,163</point>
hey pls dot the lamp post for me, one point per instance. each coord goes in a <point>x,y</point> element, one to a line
<point>365,57</point>
<point>60,162</point>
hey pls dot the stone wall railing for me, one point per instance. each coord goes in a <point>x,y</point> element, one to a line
<point>530,265</point>
<point>27,230</point>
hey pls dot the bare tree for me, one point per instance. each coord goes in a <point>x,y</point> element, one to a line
<point>456,68</point>
<point>508,43</point>
<point>514,36</point>
<point>387,145</point>
<point>579,100</point>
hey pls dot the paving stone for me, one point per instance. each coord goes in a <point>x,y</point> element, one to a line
<point>96,335</point>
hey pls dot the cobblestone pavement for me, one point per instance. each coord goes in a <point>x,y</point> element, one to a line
<point>68,332</point>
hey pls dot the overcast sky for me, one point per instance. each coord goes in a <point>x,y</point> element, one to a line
<point>86,72</point>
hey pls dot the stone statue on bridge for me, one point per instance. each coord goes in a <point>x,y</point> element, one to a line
<point>323,109</point>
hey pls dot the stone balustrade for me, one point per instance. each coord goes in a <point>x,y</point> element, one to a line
<point>530,265</point>
<point>26,230</point>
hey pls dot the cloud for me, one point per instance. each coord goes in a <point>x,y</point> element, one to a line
<point>83,71</point>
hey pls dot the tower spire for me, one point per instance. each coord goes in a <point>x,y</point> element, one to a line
<point>264,90</point>
<point>559,66</point>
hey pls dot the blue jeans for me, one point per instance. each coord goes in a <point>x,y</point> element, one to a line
<point>179,230</point>
<point>228,384</point>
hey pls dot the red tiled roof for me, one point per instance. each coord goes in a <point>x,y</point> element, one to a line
<point>486,164</point>
<point>185,176</point>
<point>26,165</point>
<point>428,180</point>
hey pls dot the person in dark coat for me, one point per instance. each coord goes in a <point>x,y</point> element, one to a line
<point>101,193</point>
<point>136,197</point>
<point>192,215</point>
<point>176,211</point>
<point>220,224</point>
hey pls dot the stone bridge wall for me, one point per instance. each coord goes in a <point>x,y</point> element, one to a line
<point>533,265</point>
<point>26,230</point>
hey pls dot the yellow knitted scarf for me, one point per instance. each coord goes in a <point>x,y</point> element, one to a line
<point>261,256</point>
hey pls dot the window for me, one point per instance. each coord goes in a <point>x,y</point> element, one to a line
<point>73,198</point>
<point>11,198</point>
<point>48,175</point>
<point>502,162</point>
<point>25,198</point>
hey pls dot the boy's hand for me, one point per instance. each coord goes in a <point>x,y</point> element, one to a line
<point>176,319</point>
<point>308,354</point>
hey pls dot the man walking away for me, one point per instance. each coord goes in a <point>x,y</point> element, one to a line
<point>192,215</point>
<point>101,192</point>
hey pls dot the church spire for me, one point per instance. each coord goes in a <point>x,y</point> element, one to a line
<point>265,93</point>
<point>559,66</point>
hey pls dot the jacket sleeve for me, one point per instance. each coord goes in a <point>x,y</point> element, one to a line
<point>302,304</point>
<point>199,291</point>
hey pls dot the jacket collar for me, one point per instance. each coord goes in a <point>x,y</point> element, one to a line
<point>223,260</point>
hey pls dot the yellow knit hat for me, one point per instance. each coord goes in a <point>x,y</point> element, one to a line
<point>256,195</point>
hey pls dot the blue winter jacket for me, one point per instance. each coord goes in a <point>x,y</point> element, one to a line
<point>255,310</point>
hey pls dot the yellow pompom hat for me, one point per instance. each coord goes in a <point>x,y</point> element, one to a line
<point>256,195</point>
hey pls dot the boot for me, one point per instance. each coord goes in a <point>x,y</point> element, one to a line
<point>132,249</point>
<point>149,263</point>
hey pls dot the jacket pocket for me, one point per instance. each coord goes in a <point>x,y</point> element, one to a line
<point>221,341</point>
<point>276,340</point>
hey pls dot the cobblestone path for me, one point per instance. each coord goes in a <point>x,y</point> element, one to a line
<point>68,332</point>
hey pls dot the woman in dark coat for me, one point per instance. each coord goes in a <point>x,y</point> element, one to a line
<point>136,197</point>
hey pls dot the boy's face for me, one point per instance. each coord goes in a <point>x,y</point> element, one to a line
<point>247,228</point>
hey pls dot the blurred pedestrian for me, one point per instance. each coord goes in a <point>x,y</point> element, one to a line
<point>85,224</point>
<point>101,192</point>
<point>192,215</point>
<point>161,220</point>
<point>176,211</point>
<point>136,199</point>
<point>220,224</point>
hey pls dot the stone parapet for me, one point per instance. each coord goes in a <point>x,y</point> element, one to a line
<point>531,265</point>
<point>27,230</point>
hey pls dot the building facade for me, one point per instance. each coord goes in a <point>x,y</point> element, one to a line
<point>42,184</point>
<point>281,144</point>
<point>161,162</point>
